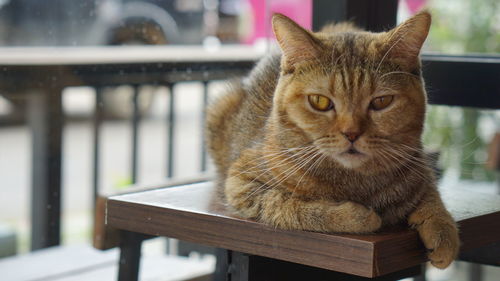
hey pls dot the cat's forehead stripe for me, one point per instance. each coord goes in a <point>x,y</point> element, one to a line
<point>360,80</point>
<point>320,86</point>
<point>343,76</point>
<point>349,42</point>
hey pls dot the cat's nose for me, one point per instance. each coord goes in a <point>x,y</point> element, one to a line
<point>351,136</point>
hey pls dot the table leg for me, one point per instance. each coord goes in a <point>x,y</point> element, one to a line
<point>45,117</point>
<point>130,256</point>
<point>475,272</point>
<point>222,265</point>
<point>243,267</point>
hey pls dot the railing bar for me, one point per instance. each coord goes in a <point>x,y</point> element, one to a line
<point>97,121</point>
<point>170,131</point>
<point>203,119</point>
<point>135,128</point>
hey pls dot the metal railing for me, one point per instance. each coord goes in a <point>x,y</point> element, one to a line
<point>136,117</point>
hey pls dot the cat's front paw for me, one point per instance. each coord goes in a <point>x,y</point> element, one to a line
<point>359,219</point>
<point>440,237</point>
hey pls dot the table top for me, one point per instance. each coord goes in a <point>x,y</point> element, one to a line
<point>59,67</point>
<point>47,56</point>
<point>187,213</point>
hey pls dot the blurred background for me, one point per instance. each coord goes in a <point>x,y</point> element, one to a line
<point>462,136</point>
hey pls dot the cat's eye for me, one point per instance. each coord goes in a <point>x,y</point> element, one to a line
<point>381,102</point>
<point>320,102</point>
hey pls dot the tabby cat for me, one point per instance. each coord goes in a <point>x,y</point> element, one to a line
<point>325,135</point>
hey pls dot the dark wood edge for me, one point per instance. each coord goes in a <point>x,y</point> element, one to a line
<point>476,237</point>
<point>192,227</point>
<point>241,266</point>
<point>106,237</point>
<point>489,254</point>
<point>393,255</point>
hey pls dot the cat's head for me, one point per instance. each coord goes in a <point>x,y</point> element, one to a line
<point>356,96</point>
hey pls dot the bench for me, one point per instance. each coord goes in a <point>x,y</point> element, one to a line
<point>82,262</point>
<point>250,249</point>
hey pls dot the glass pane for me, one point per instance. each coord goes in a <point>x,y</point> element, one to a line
<point>459,27</point>
<point>158,22</point>
<point>462,137</point>
<point>102,22</point>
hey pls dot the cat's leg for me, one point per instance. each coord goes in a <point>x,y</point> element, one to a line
<point>280,208</point>
<point>437,229</point>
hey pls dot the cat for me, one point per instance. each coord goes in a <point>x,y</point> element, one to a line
<point>325,135</point>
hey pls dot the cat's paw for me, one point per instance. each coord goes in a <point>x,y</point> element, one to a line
<point>359,219</point>
<point>440,237</point>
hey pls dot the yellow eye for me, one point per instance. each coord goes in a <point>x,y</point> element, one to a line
<point>381,102</point>
<point>320,102</point>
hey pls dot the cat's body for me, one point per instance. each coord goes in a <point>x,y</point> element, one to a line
<point>326,136</point>
<point>249,109</point>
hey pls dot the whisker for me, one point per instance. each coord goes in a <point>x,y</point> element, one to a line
<point>398,170</point>
<point>297,167</point>
<point>302,160</point>
<point>419,164</point>
<point>266,160</point>
<point>316,162</point>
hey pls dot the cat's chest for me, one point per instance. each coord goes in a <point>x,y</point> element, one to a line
<point>372,192</point>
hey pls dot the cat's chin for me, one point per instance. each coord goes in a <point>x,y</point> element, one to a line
<point>351,160</point>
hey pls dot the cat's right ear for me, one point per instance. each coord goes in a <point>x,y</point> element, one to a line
<point>296,43</point>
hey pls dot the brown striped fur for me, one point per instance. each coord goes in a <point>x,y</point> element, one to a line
<point>283,163</point>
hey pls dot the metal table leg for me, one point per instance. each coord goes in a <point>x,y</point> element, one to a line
<point>130,256</point>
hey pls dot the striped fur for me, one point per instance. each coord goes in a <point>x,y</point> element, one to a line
<point>284,163</point>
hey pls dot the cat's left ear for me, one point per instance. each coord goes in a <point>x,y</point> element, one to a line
<point>405,41</point>
<point>297,44</point>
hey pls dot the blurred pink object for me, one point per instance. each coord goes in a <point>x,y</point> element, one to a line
<point>415,5</point>
<point>298,10</point>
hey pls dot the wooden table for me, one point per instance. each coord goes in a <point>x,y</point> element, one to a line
<point>186,213</point>
<point>40,74</point>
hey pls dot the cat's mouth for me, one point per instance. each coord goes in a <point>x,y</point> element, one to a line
<point>352,151</point>
<point>351,158</point>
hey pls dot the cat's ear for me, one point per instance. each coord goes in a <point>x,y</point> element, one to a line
<point>404,42</point>
<point>296,43</point>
